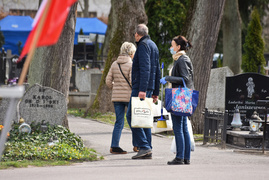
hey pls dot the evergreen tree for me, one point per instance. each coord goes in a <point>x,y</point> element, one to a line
<point>253,59</point>
<point>166,20</point>
<point>81,32</point>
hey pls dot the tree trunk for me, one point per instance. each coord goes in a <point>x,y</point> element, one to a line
<point>232,42</point>
<point>51,66</point>
<point>86,9</point>
<point>123,18</point>
<point>203,33</point>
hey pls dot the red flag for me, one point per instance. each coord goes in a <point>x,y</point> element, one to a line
<point>53,24</point>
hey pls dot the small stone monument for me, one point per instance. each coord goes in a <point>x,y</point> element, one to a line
<point>43,103</point>
<point>4,103</point>
<point>215,99</point>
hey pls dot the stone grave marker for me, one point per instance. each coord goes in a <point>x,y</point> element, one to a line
<point>43,103</point>
<point>243,91</point>
<point>4,103</point>
<point>216,88</point>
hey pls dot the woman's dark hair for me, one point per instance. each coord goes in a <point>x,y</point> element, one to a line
<point>183,42</point>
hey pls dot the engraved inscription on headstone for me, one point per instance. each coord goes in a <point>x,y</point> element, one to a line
<point>243,91</point>
<point>43,103</point>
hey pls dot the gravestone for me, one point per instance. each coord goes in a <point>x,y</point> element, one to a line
<point>95,81</point>
<point>43,103</point>
<point>216,88</point>
<point>84,79</point>
<point>4,103</point>
<point>243,91</point>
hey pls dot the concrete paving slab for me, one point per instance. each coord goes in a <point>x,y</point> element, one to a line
<point>207,162</point>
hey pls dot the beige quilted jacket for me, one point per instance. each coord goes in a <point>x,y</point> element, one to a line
<point>121,91</point>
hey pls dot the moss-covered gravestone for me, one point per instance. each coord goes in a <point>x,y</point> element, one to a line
<point>43,103</point>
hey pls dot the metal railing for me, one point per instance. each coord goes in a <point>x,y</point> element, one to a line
<point>215,127</point>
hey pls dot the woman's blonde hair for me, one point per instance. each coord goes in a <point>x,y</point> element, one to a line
<point>127,48</point>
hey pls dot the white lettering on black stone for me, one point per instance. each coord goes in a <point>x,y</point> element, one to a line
<point>264,91</point>
<point>235,102</point>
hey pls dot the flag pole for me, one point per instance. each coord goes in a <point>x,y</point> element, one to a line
<point>34,44</point>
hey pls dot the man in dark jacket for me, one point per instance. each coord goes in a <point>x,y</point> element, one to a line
<point>145,83</point>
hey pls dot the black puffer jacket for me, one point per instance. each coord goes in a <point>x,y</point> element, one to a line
<point>182,69</point>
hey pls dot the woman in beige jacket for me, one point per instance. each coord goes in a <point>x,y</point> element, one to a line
<point>119,80</point>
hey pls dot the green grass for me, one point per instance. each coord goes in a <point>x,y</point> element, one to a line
<point>37,163</point>
<point>108,117</point>
<point>198,137</point>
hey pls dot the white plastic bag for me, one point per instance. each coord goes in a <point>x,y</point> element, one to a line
<point>156,111</point>
<point>173,145</point>
<point>191,134</point>
<point>142,116</point>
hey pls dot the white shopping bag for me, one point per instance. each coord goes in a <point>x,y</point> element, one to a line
<point>191,134</point>
<point>173,145</point>
<point>142,116</point>
<point>156,111</point>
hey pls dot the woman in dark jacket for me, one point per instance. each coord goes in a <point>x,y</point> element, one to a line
<point>182,69</point>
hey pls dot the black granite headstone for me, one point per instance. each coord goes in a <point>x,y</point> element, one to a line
<point>243,91</point>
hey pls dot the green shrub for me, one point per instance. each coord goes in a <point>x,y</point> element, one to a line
<point>253,58</point>
<point>166,20</point>
<point>35,146</point>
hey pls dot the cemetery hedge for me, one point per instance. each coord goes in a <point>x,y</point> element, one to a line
<point>35,146</point>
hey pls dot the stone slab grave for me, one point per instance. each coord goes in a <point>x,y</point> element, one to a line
<point>243,91</point>
<point>43,103</point>
<point>4,103</point>
<point>215,99</point>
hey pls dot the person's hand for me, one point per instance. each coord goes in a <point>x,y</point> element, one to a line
<point>163,81</point>
<point>155,98</point>
<point>142,95</point>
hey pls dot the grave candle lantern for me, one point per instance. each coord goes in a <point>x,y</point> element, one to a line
<point>236,123</point>
<point>24,127</point>
<point>254,124</point>
<point>43,126</point>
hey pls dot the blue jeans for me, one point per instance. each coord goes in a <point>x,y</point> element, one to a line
<point>141,136</point>
<point>182,137</point>
<point>120,111</point>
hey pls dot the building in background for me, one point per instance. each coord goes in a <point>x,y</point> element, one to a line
<point>85,54</point>
<point>97,8</point>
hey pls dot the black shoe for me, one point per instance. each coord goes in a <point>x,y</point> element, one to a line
<point>175,161</point>
<point>149,156</point>
<point>117,150</point>
<point>187,161</point>
<point>142,153</point>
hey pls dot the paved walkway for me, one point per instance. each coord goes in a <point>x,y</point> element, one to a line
<point>206,162</point>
